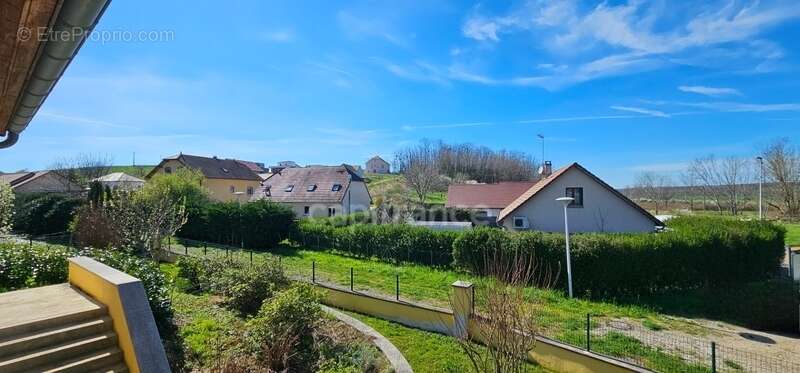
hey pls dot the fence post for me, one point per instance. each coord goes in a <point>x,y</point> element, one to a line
<point>351,278</point>
<point>251,257</point>
<point>30,242</point>
<point>462,307</point>
<point>169,243</point>
<point>226,252</point>
<point>397,287</point>
<point>205,250</point>
<point>186,250</point>
<point>588,331</point>
<point>713,357</point>
<point>313,271</point>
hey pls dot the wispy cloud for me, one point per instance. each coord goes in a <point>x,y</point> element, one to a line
<point>82,120</point>
<point>710,91</point>
<point>278,36</point>
<point>586,118</point>
<point>359,27</point>
<point>650,112</point>
<point>740,107</point>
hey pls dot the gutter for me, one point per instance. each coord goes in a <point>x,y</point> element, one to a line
<point>55,55</point>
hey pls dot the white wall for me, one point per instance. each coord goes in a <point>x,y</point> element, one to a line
<point>316,210</point>
<point>357,197</point>
<point>602,210</point>
<point>377,167</point>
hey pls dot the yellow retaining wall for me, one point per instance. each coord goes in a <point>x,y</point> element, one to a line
<point>106,293</point>
<point>547,353</point>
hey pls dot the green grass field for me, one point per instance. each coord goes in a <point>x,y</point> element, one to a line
<point>138,171</point>
<point>382,185</point>
<point>792,234</point>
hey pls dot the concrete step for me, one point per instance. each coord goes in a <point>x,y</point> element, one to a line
<point>108,360</point>
<point>56,355</point>
<point>42,324</point>
<point>59,334</point>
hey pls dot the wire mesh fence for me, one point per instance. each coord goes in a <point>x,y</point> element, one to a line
<point>627,340</point>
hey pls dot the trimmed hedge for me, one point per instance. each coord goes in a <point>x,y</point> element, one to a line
<point>259,224</point>
<point>393,242</point>
<point>38,214</point>
<point>692,253</point>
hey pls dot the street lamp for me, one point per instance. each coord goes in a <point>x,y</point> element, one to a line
<point>760,180</point>
<point>566,201</point>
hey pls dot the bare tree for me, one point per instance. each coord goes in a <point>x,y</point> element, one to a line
<point>141,222</point>
<point>418,165</point>
<point>84,167</point>
<point>689,187</point>
<point>724,181</point>
<point>655,187</point>
<point>783,167</point>
<point>507,326</point>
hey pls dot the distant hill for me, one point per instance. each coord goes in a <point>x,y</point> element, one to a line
<point>138,171</point>
<point>390,187</point>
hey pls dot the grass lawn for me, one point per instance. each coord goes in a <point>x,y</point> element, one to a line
<point>792,234</point>
<point>560,318</point>
<point>138,171</point>
<point>426,351</point>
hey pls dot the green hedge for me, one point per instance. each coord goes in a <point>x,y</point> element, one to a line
<point>393,242</point>
<point>38,214</point>
<point>692,253</point>
<point>259,224</point>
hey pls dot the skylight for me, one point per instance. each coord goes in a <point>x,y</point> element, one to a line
<point>336,187</point>
<point>311,188</point>
<point>289,188</point>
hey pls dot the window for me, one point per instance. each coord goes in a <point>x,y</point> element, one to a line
<point>232,189</point>
<point>311,188</point>
<point>520,222</point>
<point>168,170</point>
<point>249,191</point>
<point>289,188</point>
<point>331,211</point>
<point>336,187</point>
<point>306,210</point>
<point>577,194</point>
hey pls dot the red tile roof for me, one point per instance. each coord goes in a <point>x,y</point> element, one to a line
<point>300,178</point>
<point>495,196</point>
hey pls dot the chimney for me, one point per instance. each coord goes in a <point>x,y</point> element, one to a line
<point>546,169</point>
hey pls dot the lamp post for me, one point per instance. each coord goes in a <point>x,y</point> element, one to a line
<point>760,180</point>
<point>566,201</point>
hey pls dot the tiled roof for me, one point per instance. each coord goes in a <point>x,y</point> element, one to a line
<point>536,188</point>
<point>214,168</point>
<point>16,178</point>
<point>377,158</point>
<point>253,166</point>
<point>322,177</point>
<point>119,177</point>
<point>495,196</point>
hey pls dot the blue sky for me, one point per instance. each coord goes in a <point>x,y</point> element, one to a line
<point>617,86</point>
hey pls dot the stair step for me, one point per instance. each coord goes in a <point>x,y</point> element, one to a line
<point>116,368</point>
<point>58,353</point>
<point>35,326</point>
<point>108,360</point>
<point>56,335</point>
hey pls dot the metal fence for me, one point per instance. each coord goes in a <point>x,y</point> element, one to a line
<point>642,344</point>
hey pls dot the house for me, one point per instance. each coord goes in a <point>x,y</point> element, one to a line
<point>318,191</point>
<point>225,179</point>
<point>485,200</point>
<point>120,180</point>
<point>597,207</point>
<point>40,182</point>
<point>377,165</point>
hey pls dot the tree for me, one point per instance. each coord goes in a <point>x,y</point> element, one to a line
<point>142,221</point>
<point>723,180</point>
<point>184,184</point>
<point>783,167</point>
<point>83,168</point>
<point>508,330</point>
<point>655,187</point>
<point>418,165</point>
<point>6,207</point>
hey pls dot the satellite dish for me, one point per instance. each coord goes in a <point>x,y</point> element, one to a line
<point>541,170</point>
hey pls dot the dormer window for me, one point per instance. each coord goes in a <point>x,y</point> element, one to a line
<point>311,188</point>
<point>225,170</point>
<point>336,187</point>
<point>289,188</point>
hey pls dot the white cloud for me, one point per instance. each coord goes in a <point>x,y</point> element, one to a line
<point>650,112</point>
<point>359,27</point>
<point>710,91</point>
<point>739,107</point>
<point>278,36</point>
<point>481,29</point>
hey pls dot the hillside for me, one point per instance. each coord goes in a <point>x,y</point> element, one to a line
<point>392,188</point>
<point>138,171</point>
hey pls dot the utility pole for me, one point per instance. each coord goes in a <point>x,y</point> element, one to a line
<point>760,181</point>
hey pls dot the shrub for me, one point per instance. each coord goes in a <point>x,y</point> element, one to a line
<point>282,334</point>
<point>92,227</point>
<point>38,214</point>
<point>693,253</point>
<point>395,242</point>
<point>258,224</point>
<point>243,286</point>
<point>22,266</point>
<point>6,207</point>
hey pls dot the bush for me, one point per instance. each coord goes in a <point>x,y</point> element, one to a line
<point>282,334</point>
<point>22,266</point>
<point>258,224</point>
<point>38,214</point>
<point>395,242</point>
<point>6,207</point>
<point>693,253</point>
